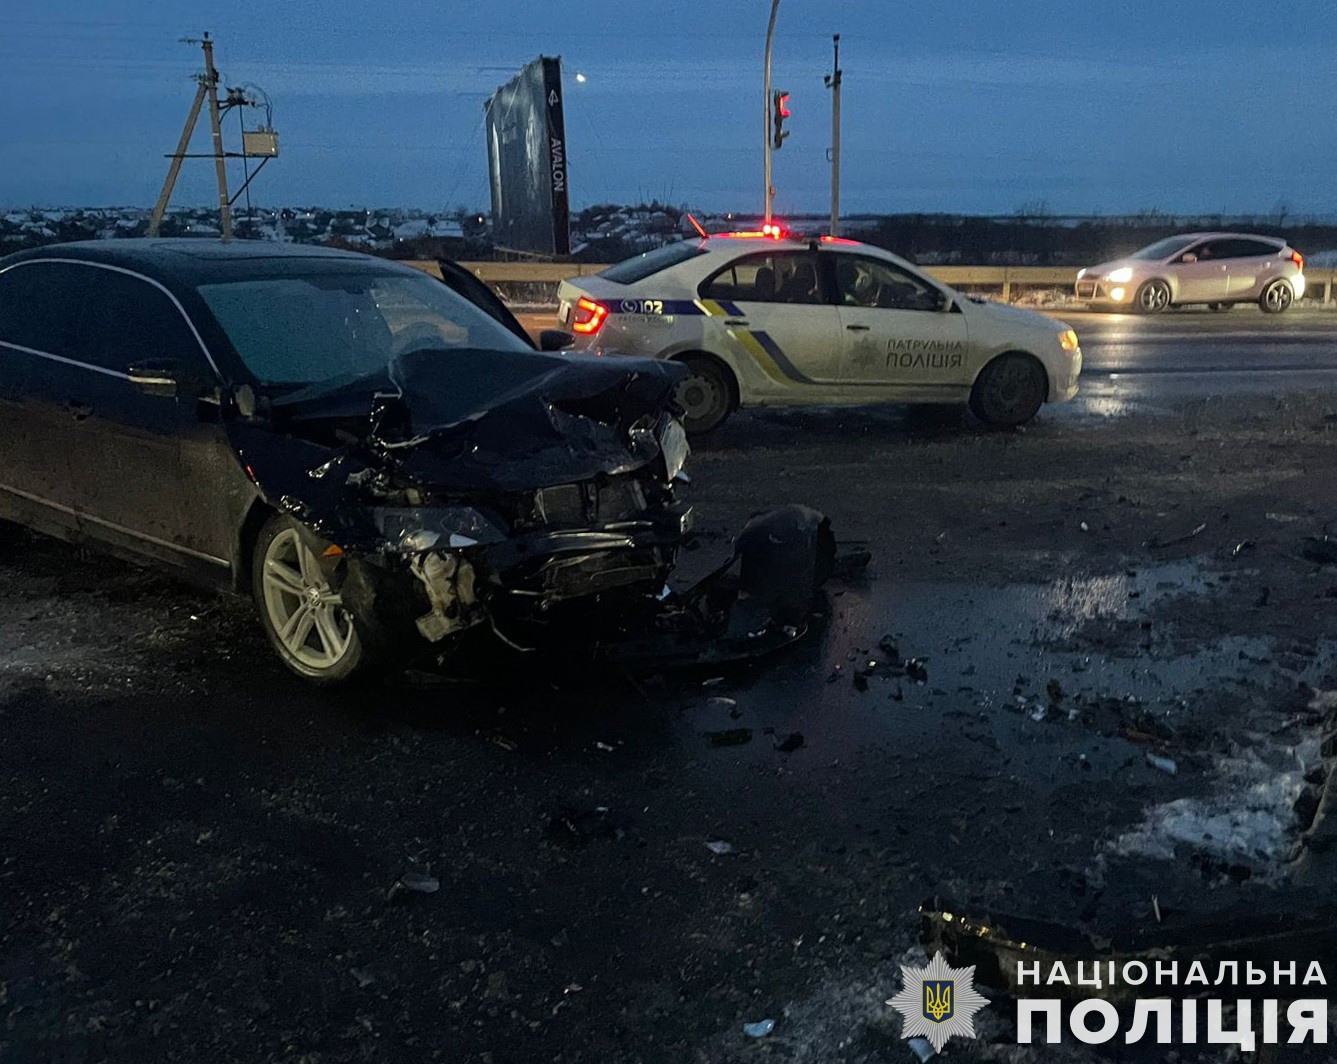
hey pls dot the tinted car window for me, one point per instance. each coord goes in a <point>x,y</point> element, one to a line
<point>306,329</point>
<point>39,306</point>
<point>865,282</point>
<point>771,277</point>
<point>650,263</point>
<point>1245,249</point>
<point>127,321</point>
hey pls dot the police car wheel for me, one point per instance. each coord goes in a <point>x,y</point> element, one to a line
<point>705,396</point>
<point>1008,391</point>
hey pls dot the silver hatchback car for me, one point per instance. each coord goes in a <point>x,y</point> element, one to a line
<point>1218,269</point>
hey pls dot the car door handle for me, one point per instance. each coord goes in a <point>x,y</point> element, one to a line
<point>857,328</point>
<point>735,321</point>
<point>78,410</point>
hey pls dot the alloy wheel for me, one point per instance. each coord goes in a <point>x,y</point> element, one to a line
<point>1153,297</point>
<point>306,615</point>
<point>1277,297</point>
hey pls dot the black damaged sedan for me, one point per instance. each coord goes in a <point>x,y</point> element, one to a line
<point>380,459</point>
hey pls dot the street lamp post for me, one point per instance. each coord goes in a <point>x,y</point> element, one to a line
<point>766,108</point>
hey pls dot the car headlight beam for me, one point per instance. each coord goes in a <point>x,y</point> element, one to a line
<point>1120,276</point>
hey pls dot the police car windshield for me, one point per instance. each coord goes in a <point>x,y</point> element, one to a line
<point>650,263</point>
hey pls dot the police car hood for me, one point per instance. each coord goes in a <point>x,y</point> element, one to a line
<point>478,419</point>
<point>1005,316</point>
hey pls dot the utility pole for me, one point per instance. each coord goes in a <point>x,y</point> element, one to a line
<point>208,88</point>
<point>220,162</point>
<point>833,83</point>
<point>766,107</point>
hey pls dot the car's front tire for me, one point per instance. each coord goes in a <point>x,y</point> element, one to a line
<point>1277,297</point>
<point>1009,390</point>
<point>1152,297</point>
<point>706,397</point>
<point>301,612</point>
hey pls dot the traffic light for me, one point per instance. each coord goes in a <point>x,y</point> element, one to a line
<point>778,122</point>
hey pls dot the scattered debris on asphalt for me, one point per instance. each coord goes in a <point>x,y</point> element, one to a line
<point>419,883</point>
<point>1167,765</point>
<point>1321,549</point>
<point>1156,541</point>
<point>363,977</point>
<point>729,737</point>
<point>922,1048</point>
<point>720,847</point>
<point>760,1029</point>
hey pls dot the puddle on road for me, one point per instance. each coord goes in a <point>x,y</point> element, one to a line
<point>995,658</point>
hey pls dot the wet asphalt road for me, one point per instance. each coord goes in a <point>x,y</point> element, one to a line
<point>203,859</point>
<point>1194,351</point>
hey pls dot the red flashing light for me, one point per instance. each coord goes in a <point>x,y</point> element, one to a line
<point>828,239</point>
<point>589,316</point>
<point>782,105</point>
<point>772,232</point>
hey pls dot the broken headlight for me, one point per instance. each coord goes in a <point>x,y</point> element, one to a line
<point>418,528</point>
<point>674,447</point>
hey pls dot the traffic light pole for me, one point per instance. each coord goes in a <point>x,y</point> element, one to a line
<point>833,83</point>
<point>766,107</point>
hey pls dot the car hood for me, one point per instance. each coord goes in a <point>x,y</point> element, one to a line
<point>1103,268</point>
<point>1005,316</point>
<point>458,421</point>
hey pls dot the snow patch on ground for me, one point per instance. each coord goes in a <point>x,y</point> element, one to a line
<point>1249,819</point>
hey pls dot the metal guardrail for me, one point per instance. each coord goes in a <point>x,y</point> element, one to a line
<point>1001,277</point>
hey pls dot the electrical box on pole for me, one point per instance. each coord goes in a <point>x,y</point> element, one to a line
<point>259,143</point>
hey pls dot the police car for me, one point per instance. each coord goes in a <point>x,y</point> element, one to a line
<point>770,319</point>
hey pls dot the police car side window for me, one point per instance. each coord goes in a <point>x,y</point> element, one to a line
<point>865,282</point>
<point>774,277</point>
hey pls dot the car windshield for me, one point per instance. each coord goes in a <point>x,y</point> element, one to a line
<point>1163,249</point>
<point>310,328</point>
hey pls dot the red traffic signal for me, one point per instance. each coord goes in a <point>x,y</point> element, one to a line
<point>781,100</point>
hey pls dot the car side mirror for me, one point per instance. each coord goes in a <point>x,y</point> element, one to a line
<point>948,304</point>
<point>160,377</point>
<point>555,340</point>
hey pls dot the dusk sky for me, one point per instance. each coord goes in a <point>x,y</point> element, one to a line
<point>977,106</point>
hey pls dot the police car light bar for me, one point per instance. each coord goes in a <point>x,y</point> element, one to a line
<point>773,230</point>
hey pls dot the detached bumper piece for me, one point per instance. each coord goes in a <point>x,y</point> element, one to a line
<point>757,602</point>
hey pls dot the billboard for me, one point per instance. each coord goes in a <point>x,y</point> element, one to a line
<point>526,157</point>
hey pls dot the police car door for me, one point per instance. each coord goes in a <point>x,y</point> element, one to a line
<point>896,326</point>
<point>776,312</point>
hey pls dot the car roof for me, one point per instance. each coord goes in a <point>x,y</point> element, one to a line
<point>188,261</point>
<point>1231,236</point>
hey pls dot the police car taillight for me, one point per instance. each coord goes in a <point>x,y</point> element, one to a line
<point>589,316</point>
<point>1299,260</point>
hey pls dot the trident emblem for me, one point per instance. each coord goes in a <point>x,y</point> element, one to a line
<point>937,999</point>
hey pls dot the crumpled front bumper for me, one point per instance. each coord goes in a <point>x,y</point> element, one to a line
<point>438,576</point>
